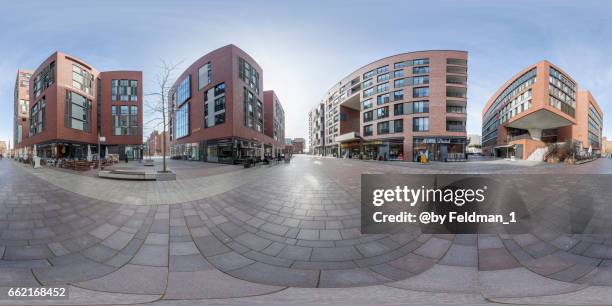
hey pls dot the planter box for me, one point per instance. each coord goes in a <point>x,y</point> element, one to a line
<point>127,175</point>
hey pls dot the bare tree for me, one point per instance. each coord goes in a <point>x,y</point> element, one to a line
<point>159,103</point>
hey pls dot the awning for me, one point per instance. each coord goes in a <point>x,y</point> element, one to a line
<point>350,136</point>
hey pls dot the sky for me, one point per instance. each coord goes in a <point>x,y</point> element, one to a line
<point>305,47</point>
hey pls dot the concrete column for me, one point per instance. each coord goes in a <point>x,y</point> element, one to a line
<point>536,134</point>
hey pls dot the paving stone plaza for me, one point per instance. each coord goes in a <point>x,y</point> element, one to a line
<point>288,233</point>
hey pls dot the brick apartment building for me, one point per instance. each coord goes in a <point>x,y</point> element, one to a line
<point>396,108</point>
<point>155,144</point>
<point>540,105</point>
<point>220,113</point>
<point>21,108</point>
<point>70,103</point>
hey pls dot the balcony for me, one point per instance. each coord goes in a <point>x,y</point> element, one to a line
<point>455,126</point>
<point>456,79</point>
<point>456,92</point>
<point>452,109</point>
<point>456,69</point>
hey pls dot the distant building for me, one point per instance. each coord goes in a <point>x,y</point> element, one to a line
<point>606,147</point>
<point>288,145</point>
<point>21,108</point>
<point>3,148</point>
<point>298,145</point>
<point>155,143</point>
<point>474,144</point>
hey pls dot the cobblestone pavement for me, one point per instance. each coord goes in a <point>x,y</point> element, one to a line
<point>282,234</point>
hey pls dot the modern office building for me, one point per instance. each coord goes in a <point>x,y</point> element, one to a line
<point>217,110</point>
<point>21,108</point>
<point>539,106</point>
<point>396,108</point>
<point>71,104</point>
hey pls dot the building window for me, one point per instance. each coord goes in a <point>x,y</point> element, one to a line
<point>248,74</point>
<point>382,99</point>
<point>382,112</point>
<point>368,92</point>
<point>367,83</point>
<point>400,82</point>
<point>367,130</point>
<point>420,124</point>
<point>420,70</point>
<point>44,79</point>
<point>367,104</point>
<point>82,79</point>
<point>204,75</point>
<point>382,69</point>
<point>382,77</point>
<point>183,92</point>
<point>398,73</point>
<point>418,92</point>
<point>419,80</point>
<point>368,74</point>
<point>259,113</point>
<point>398,126</point>
<point>182,121</point>
<point>421,61</point>
<point>220,118</point>
<point>382,128</point>
<point>220,89</point>
<point>382,87</point>
<point>37,117</point>
<point>398,95</point>
<point>420,107</point>
<point>368,116</point>
<point>77,112</point>
<point>125,120</point>
<point>253,111</point>
<point>214,113</point>
<point>562,92</point>
<point>220,104</point>
<point>124,90</point>
<point>400,65</point>
<point>279,121</point>
<point>398,109</point>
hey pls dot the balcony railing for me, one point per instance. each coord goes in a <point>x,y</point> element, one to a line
<point>455,128</point>
<point>455,109</point>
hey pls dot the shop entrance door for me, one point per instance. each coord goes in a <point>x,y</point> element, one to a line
<point>443,152</point>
